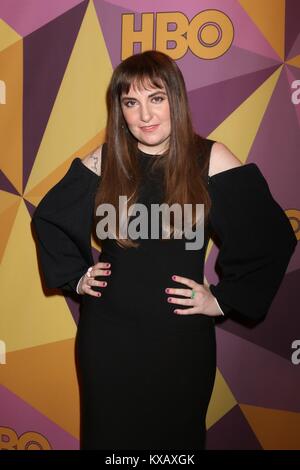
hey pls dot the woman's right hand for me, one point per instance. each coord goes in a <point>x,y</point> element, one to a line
<point>88,279</point>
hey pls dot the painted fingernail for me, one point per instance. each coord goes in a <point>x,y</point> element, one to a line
<point>104,284</point>
<point>99,294</point>
<point>107,272</point>
<point>167,290</point>
<point>107,265</point>
<point>174,277</point>
<point>169,299</point>
<point>175,311</point>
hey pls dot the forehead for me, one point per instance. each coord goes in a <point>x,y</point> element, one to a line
<point>144,87</point>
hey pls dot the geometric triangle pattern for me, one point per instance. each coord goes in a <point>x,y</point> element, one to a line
<point>56,60</point>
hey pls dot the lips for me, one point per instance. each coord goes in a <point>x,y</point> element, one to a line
<point>149,128</point>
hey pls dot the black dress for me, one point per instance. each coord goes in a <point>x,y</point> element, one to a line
<point>146,374</point>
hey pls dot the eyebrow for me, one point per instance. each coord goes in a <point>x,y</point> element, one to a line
<point>149,96</point>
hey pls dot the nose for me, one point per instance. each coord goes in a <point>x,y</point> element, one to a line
<point>145,112</point>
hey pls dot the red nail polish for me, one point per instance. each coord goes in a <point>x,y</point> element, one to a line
<point>169,299</point>
<point>167,290</point>
<point>174,277</point>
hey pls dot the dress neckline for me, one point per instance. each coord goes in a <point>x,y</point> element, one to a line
<point>148,155</point>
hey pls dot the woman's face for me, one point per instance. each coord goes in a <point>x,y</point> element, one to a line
<point>147,114</point>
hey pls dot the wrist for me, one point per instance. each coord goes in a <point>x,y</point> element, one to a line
<point>78,287</point>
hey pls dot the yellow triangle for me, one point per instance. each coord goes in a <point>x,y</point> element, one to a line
<point>295,61</point>
<point>275,429</point>
<point>45,377</point>
<point>221,402</point>
<point>28,317</point>
<point>11,113</point>
<point>244,121</point>
<point>8,210</point>
<point>269,16</point>
<point>79,111</point>
<point>7,201</point>
<point>35,195</point>
<point>8,36</point>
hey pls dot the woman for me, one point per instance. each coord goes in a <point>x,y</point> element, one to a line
<point>146,335</point>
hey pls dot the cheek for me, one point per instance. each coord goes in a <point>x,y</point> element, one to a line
<point>130,118</point>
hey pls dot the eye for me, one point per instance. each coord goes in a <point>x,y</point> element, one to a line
<point>129,103</point>
<point>158,99</point>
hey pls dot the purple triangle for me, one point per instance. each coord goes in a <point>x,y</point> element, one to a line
<point>29,15</point>
<point>74,306</point>
<point>23,418</point>
<point>293,73</point>
<point>257,376</point>
<point>292,26</point>
<point>6,185</point>
<point>237,62</point>
<point>30,207</point>
<point>276,147</point>
<point>96,255</point>
<point>284,311</point>
<point>46,55</point>
<point>110,18</point>
<point>295,49</point>
<point>212,104</point>
<point>232,432</point>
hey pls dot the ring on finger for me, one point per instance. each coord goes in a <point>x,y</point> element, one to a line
<point>193,293</point>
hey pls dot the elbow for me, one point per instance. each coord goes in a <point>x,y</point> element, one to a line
<point>291,242</point>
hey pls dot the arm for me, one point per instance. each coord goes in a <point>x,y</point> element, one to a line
<point>257,240</point>
<point>221,159</point>
<point>62,223</point>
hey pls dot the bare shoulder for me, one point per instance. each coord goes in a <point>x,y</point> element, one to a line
<point>221,159</point>
<point>93,160</point>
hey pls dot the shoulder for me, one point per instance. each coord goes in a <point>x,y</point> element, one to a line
<point>221,159</point>
<point>93,160</point>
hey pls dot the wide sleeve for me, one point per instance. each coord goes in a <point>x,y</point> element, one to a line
<point>63,223</point>
<point>257,241</point>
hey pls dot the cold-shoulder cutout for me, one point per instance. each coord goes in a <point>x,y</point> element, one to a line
<point>89,160</point>
<point>221,159</point>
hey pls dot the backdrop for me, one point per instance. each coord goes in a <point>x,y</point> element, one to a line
<point>241,63</point>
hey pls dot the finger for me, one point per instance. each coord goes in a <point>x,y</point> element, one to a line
<point>102,265</point>
<point>183,292</point>
<point>174,300</point>
<point>101,272</point>
<point>92,282</point>
<point>187,311</point>
<point>89,291</point>
<point>184,280</point>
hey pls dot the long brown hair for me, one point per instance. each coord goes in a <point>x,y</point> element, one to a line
<point>183,175</point>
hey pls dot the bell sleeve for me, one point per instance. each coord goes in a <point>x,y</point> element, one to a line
<point>257,241</point>
<point>63,222</point>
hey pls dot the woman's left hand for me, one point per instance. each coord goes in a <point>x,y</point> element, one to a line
<point>203,302</point>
